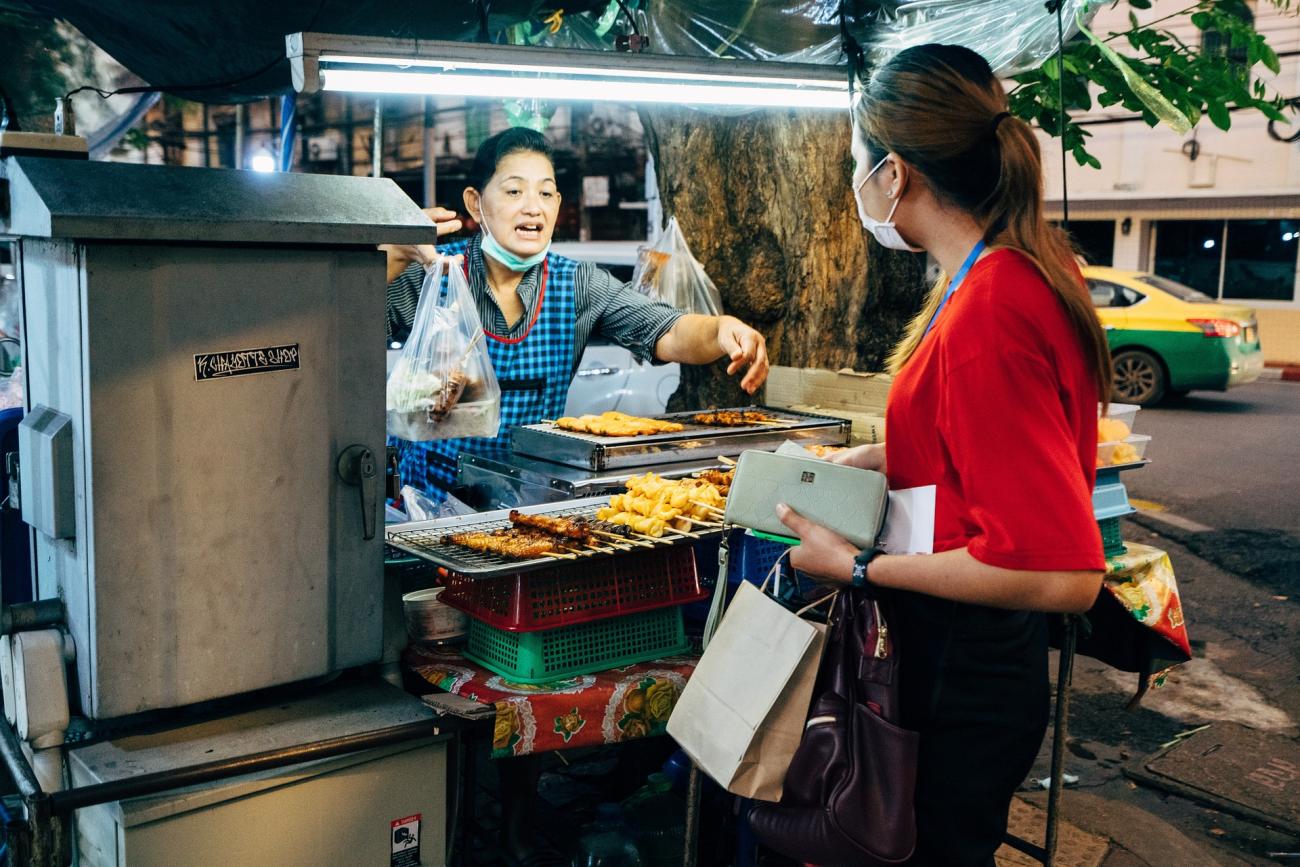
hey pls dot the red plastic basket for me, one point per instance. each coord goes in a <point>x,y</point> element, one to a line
<point>579,592</point>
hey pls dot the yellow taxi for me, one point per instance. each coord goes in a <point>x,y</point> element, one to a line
<point>1167,339</point>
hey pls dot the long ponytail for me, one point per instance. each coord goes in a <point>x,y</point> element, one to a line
<point>941,108</point>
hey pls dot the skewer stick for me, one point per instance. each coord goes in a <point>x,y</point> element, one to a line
<point>625,539</point>
<point>710,507</point>
<point>607,549</point>
<point>710,524</point>
<point>723,459</point>
<point>556,556</point>
<point>578,552</point>
<point>655,539</point>
<point>668,529</point>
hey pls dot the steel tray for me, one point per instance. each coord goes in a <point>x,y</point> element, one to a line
<point>424,539</point>
<point>695,442</point>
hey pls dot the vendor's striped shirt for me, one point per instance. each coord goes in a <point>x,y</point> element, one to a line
<point>604,306</point>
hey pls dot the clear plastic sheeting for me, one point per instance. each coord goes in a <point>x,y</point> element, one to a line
<point>1012,35</point>
<point>807,32</point>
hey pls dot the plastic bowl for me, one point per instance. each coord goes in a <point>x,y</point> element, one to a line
<point>427,619</point>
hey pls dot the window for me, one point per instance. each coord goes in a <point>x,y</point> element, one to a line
<point>1230,259</point>
<point>1178,290</point>
<point>1188,251</point>
<point>1106,294</point>
<point>1261,259</point>
<point>1095,239</point>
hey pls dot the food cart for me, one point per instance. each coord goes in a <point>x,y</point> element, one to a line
<point>201,467</point>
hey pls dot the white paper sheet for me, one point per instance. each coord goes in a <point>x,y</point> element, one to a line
<point>909,526</point>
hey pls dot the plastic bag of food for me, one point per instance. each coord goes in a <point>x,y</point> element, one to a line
<point>443,384</point>
<point>668,272</point>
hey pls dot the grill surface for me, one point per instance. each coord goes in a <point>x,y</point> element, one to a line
<point>694,442</point>
<point>425,541</point>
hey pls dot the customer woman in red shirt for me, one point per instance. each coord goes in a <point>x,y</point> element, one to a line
<point>995,403</point>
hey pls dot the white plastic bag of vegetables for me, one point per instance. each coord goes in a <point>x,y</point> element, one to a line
<point>443,385</point>
<point>668,272</point>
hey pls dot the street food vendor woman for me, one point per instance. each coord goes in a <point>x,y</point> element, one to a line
<point>539,309</point>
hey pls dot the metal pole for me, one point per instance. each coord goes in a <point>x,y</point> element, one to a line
<point>24,616</point>
<point>241,121</point>
<point>377,143</point>
<point>430,156</point>
<point>693,791</point>
<point>1064,674</point>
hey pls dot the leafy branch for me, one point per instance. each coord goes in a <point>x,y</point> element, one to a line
<point>1161,74</point>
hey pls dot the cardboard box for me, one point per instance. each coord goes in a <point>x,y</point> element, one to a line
<point>848,394</point>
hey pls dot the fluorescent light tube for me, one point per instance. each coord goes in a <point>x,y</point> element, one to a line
<point>423,67</point>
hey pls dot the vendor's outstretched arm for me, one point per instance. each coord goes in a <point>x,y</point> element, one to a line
<point>698,339</point>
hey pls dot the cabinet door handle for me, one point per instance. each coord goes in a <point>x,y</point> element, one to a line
<point>357,466</point>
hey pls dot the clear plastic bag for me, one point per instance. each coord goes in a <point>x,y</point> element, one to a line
<point>668,272</point>
<point>443,385</point>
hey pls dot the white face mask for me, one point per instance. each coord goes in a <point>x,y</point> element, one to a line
<point>885,232</point>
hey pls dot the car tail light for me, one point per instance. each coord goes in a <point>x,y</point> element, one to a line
<point>1217,327</point>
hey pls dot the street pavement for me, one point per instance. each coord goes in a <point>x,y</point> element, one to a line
<point>1230,460</point>
<point>1222,498</point>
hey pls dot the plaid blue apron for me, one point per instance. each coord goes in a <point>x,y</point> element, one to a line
<point>534,371</point>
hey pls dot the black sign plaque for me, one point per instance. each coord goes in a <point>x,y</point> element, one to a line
<point>242,362</point>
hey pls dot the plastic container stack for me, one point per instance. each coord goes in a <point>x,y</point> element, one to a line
<point>580,617</point>
<point>1118,449</point>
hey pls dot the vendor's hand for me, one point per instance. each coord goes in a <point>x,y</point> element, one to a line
<point>868,457</point>
<point>402,255</point>
<point>746,348</point>
<point>824,554</point>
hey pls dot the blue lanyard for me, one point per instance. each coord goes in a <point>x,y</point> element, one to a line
<point>956,281</point>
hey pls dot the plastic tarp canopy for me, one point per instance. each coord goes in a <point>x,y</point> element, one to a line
<point>240,43</point>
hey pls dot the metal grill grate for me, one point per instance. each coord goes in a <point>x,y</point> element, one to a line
<point>428,544</point>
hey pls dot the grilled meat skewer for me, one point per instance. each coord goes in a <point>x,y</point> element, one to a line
<point>513,543</point>
<point>567,528</point>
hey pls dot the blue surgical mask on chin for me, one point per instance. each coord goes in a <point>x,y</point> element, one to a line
<point>513,261</point>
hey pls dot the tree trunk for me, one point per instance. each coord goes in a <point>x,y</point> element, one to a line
<point>765,202</point>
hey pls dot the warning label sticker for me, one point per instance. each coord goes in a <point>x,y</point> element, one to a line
<point>405,836</point>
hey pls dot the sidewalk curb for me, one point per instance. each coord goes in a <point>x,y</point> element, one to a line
<point>1274,371</point>
<point>1169,525</point>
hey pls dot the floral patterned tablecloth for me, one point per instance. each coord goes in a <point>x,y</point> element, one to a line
<point>608,707</point>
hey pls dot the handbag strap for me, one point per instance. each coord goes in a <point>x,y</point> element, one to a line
<point>719,603</point>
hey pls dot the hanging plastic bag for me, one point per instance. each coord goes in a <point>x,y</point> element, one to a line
<point>668,272</point>
<point>443,384</point>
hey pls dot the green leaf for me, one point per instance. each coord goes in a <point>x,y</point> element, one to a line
<point>1269,58</point>
<point>1219,115</point>
<point>1139,4</point>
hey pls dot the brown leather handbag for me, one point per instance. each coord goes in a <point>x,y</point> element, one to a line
<point>849,792</point>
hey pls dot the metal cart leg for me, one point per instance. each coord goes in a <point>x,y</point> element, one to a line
<point>693,788</point>
<point>1064,673</point>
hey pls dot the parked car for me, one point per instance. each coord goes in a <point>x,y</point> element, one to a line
<point>1167,339</point>
<point>609,377</point>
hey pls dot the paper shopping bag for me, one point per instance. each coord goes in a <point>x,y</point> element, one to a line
<point>742,713</point>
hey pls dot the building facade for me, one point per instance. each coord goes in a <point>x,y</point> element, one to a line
<point>1219,211</point>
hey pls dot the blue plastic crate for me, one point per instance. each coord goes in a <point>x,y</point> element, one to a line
<point>749,559</point>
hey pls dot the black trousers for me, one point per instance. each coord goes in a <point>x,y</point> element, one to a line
<point>974,684</point>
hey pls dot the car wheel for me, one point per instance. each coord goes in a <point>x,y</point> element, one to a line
<point>1139,378</point>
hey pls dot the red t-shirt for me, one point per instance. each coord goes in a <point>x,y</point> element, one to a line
<point>998,409</point>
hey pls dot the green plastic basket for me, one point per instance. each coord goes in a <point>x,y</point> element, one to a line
<point>1112,543</point>
<point>554,654</point>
